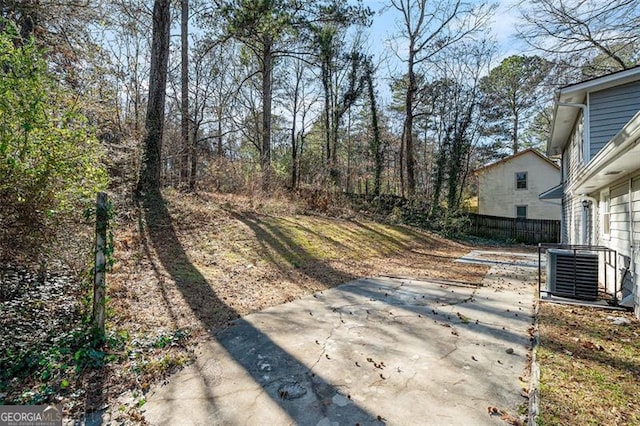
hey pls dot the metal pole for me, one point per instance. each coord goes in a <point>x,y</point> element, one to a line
<point>539,269</point>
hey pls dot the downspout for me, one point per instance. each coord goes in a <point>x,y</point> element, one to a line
<point>584,225</point>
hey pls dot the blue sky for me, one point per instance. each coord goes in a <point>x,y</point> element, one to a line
<point>503,26</point>
<point>385,26</point>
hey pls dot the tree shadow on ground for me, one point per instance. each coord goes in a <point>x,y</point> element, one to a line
<point>271,238</point>
<point>437,307</point>
<point>212,312</point>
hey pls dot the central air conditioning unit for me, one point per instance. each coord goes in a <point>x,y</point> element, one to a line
<point>572,273</point>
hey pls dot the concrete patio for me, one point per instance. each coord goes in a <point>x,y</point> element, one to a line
<point>390,350</point>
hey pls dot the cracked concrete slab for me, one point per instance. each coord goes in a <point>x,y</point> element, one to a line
<point>372,351</point>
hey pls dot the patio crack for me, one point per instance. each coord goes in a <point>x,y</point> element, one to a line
<point>334,328</point>
<point>455,348</point>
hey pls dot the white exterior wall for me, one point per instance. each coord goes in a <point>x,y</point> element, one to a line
<point>635,252</point>
<point>498,196</point>
<point>624,234</point>
<point>613,147</point>
<point>573,164</point>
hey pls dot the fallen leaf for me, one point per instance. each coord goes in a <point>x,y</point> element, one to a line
<point>494,411</point>
<point>510,419</point>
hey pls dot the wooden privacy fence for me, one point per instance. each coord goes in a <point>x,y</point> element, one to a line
<point>529,231</point>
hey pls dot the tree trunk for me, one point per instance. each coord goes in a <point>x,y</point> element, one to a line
<point>184,74</point>
<point>184,77</point>
<point>294,136</point>
<point>137,97</point>
<point>294,165</point>
<point>300,155</point>
<point>294,146</point>
<point>376,148</point>
<point>401,163</point>
<point>334,173</point>
<point>220,149</point>
<point>326,85</point>
<point>149,179</point>
<point>408,132</point>
<point>349,153</point>
<point>515,145</point>
<point>265,155</point>
<point>441,165</point>
<point>194,160</point>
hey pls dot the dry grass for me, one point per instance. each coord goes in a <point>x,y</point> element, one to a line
<point>206,259</point>
<point>220,258</point>
<point>192,263</point>
<point>590,368</point>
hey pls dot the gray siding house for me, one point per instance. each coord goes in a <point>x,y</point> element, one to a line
<point>596,132</point>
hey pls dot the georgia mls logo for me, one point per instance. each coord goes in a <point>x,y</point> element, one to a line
<point>30,415</point>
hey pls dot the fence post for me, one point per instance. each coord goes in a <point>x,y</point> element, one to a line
<point>100,266</point>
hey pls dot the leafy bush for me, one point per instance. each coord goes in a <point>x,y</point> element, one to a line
<point>49,157</point>
<point>452,224</point>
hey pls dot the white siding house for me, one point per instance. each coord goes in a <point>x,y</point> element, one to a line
<point>510,187</point>
<point>596,131</point>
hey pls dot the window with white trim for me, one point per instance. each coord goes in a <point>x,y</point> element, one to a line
<point>521,212</point>
<point>521,180</point>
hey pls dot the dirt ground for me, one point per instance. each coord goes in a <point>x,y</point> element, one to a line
<point>205,260</point>
<point>192,263</point>
<point>227,258</point>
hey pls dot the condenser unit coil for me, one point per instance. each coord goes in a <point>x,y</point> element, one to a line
<point>572,273</point>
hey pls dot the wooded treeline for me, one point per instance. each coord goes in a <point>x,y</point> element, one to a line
<point>231,95</point>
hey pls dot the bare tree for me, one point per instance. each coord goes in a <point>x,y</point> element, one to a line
<point>127,44</point>
<point>376,147</point>
<point>343,80</point>
<point>187,149</point>
<point>428,28</point>
<point>586,28</point>
<point>301,97</point>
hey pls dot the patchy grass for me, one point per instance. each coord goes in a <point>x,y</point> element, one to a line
<point>590,368</point>
<point>213,258</point>
<point>191,264</point>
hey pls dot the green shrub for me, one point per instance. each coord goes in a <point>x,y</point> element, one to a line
<point>454,224</point>
<point>50,160</point>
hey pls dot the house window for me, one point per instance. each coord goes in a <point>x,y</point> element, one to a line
<point>605,205</point>
<point>521,180</point>
<point>521,212</point>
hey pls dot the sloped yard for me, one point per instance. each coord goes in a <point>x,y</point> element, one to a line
<point>192,266</point>
<point>253,260</point>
